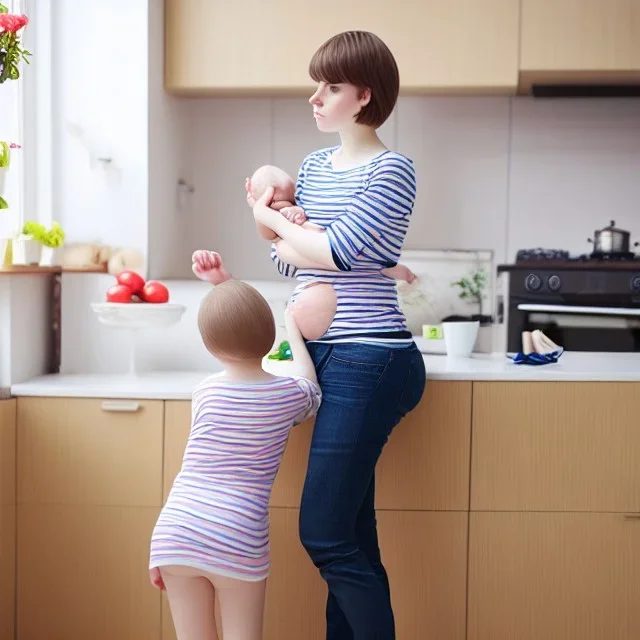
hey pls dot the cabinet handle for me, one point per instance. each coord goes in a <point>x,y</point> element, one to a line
<point>632,516</point>
<point>125,406</point>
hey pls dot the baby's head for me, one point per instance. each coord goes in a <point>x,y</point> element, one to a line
<point>270,176</point>
<point>236,322</point>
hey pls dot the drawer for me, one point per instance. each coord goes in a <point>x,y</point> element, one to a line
<point>90,451</point>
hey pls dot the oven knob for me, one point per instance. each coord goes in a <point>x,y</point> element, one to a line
<point>532,282</point>
<point>635,283</point>
<point>554,283</point>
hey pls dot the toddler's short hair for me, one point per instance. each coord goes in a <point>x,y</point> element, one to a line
<point>236,322</point>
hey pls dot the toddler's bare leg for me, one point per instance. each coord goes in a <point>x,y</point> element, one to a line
<point>314,310</point>
<point>241,607</point>
<point>192,602</point>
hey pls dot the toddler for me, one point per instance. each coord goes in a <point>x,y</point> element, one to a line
<point>211,538</point>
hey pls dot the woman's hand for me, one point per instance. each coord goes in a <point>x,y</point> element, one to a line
<point>263,213</point>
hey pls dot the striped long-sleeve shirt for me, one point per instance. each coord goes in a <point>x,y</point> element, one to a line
<point>216,515</point>
<point>365,212</point>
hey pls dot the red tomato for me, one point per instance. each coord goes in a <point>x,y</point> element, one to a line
<point>154,291</point>
<point>119,293</point>
<point>132,280</point>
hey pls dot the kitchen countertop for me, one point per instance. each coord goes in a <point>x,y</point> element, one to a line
<point>178,385</point>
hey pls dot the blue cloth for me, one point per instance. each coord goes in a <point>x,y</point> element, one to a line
<point>537,358</point>
<point>366,391</point>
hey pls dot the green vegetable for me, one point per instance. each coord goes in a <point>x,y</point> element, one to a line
<point>3,203</point>
<point>283,352</point>
<point>52,238</point>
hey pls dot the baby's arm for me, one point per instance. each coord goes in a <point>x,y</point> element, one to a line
<point>208,266</point>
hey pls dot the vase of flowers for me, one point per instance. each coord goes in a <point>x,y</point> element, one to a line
<point>11,51</point>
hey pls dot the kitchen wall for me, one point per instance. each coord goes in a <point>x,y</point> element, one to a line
<point>494,173</point>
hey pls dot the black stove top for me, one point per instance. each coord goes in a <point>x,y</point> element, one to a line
<point>559,259</point>
<point>590,278</point>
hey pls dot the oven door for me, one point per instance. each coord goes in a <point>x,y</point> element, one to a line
<point>585,328</point>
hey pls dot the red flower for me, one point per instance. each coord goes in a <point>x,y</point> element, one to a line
<point>12,22</point>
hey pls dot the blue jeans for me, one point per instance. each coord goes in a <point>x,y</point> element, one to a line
<point>366,390</point>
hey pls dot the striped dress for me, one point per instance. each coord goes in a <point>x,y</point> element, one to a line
<point>365,212</point>
<point>216,516</point>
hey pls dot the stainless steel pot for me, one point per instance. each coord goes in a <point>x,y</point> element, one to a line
<point>611,240</point>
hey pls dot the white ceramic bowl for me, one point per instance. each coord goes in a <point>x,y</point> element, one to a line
<point>138,315</point>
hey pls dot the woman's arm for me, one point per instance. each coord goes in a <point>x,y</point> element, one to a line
<point>312,246</point>
<point>287,254</point>
<point>376,221</point>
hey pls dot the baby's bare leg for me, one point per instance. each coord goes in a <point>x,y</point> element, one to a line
<point>314,309</point>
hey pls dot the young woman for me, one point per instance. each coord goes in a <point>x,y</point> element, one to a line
<point>369,369</point>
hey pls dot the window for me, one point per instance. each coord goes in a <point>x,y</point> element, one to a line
<point>11,125</point>
<point>28,183</point>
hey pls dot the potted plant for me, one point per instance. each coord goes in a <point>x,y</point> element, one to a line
<point>472,289</point>
<point>11,52</point>
<point>27,245</point>
<point>52,246</point>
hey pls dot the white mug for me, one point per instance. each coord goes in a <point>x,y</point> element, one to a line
<point>460,338</point>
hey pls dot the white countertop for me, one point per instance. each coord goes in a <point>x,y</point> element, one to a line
<point>178,385</point>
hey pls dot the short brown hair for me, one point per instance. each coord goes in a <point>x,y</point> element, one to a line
<point>362,59</point>
<point>236,322</point>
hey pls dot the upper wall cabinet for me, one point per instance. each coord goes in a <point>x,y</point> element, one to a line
<point>263,48</point>
<point>590,40</point>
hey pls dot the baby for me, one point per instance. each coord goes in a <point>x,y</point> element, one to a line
<point>284,201</point>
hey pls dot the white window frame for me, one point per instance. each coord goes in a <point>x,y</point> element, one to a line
<point>36,109</point>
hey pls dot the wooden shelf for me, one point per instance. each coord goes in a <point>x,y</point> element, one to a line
<point>20,269</point>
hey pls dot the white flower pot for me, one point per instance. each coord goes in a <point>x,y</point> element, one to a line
<point>51,257</point>
<point>3,178</point>
<point>26,251</point>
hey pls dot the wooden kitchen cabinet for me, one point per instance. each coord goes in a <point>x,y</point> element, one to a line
<point>580,39</point>
<point>7,517</point>
<point>216,47</point>
<point>424,466</point>
<point>548,446</point>
<point>574,576</point>
<point>90,451</point>
<point>83,573</point>
<point>89,492</point>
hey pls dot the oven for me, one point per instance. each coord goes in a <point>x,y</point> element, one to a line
<point>579,309</point>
